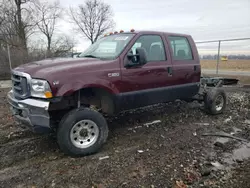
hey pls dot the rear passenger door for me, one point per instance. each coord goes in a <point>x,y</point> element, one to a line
<point>186,66</point>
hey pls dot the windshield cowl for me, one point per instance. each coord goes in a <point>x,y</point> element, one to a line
<point>90,56</point>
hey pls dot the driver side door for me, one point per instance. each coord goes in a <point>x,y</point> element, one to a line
<point>147,84</point>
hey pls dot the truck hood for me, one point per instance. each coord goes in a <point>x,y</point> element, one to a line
<point>41,69</point>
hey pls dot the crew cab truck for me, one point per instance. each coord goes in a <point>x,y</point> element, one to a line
<point>118,72</point>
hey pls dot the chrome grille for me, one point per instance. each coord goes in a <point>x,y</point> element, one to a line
<point>19,86</point>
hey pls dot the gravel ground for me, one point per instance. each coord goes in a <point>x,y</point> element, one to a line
<point>158,146</point>
<point>5,84</point>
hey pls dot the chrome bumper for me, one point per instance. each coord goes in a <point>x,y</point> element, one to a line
<point>33,113</point>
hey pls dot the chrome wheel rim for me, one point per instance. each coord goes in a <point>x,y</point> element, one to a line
<point>84,134</point>
<point>219,103</point>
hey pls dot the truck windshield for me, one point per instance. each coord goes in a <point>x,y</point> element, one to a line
<point>108,47</point>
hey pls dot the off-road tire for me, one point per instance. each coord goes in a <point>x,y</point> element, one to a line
<point>69,120</point>
<point>210,101</point>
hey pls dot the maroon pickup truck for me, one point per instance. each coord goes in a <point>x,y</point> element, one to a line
<point>119,72</point>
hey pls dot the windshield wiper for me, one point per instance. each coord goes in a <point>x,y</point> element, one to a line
<point>91,56</point>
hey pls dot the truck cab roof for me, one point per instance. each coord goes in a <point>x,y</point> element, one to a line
<point>153,32</point>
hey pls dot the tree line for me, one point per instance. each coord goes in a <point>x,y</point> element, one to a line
<point>30,28</point>
<point>240,56</point>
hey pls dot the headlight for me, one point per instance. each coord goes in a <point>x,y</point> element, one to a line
<point>40,88</point>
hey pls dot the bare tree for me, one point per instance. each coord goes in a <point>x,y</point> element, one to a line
<point>16,24</point>
<point>63,45</point>
<point>8,23</point>
<point>47,16</point>
<point>23,21</point>
<point>16,21</point>
<point>20,26</point>
<point>93,18</point>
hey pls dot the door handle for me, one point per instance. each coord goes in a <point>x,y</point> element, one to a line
<point>170,71</point>
<point>195,68</point>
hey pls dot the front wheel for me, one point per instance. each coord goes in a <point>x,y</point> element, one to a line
<point>82,132</point>
<point>215,101</point>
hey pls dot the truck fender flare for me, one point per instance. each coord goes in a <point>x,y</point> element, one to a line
<point>70,88</point>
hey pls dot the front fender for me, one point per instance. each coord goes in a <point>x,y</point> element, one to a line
<point>69,88</point>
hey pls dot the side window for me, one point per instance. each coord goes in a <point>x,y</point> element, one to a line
<point>153,46</point>
<point>181,48</point>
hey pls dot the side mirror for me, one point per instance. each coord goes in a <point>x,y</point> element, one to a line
<point>142,57</point>
<point>130,55</point>
<point>137,59</point>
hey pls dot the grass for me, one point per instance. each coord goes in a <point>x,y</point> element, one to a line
<point>234,65</point>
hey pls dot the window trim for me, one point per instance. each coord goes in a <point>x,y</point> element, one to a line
<point>191,50</point>
<point>163,44</point>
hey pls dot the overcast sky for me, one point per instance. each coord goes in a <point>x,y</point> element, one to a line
<point>203,19</point>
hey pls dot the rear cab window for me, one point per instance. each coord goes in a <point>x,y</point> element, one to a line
<point>181,48</point>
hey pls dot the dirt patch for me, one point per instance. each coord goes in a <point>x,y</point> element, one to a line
<point>157,146</point>
<point>5,83</point>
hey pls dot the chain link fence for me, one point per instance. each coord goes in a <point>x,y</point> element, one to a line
<point>216,56</point>
<point>225,55</point>
<point>15,56</point>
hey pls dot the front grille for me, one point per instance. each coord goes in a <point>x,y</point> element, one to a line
<point>19,86</point>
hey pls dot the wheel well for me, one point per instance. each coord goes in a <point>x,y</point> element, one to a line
<point>98,97</point>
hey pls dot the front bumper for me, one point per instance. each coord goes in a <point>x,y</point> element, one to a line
<point>33,113</point>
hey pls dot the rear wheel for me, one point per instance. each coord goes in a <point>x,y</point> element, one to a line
<point>215,101</point>
<point>82,132</point>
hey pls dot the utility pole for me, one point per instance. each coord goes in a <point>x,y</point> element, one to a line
<point>218,58</point>
<point>8,48</point>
